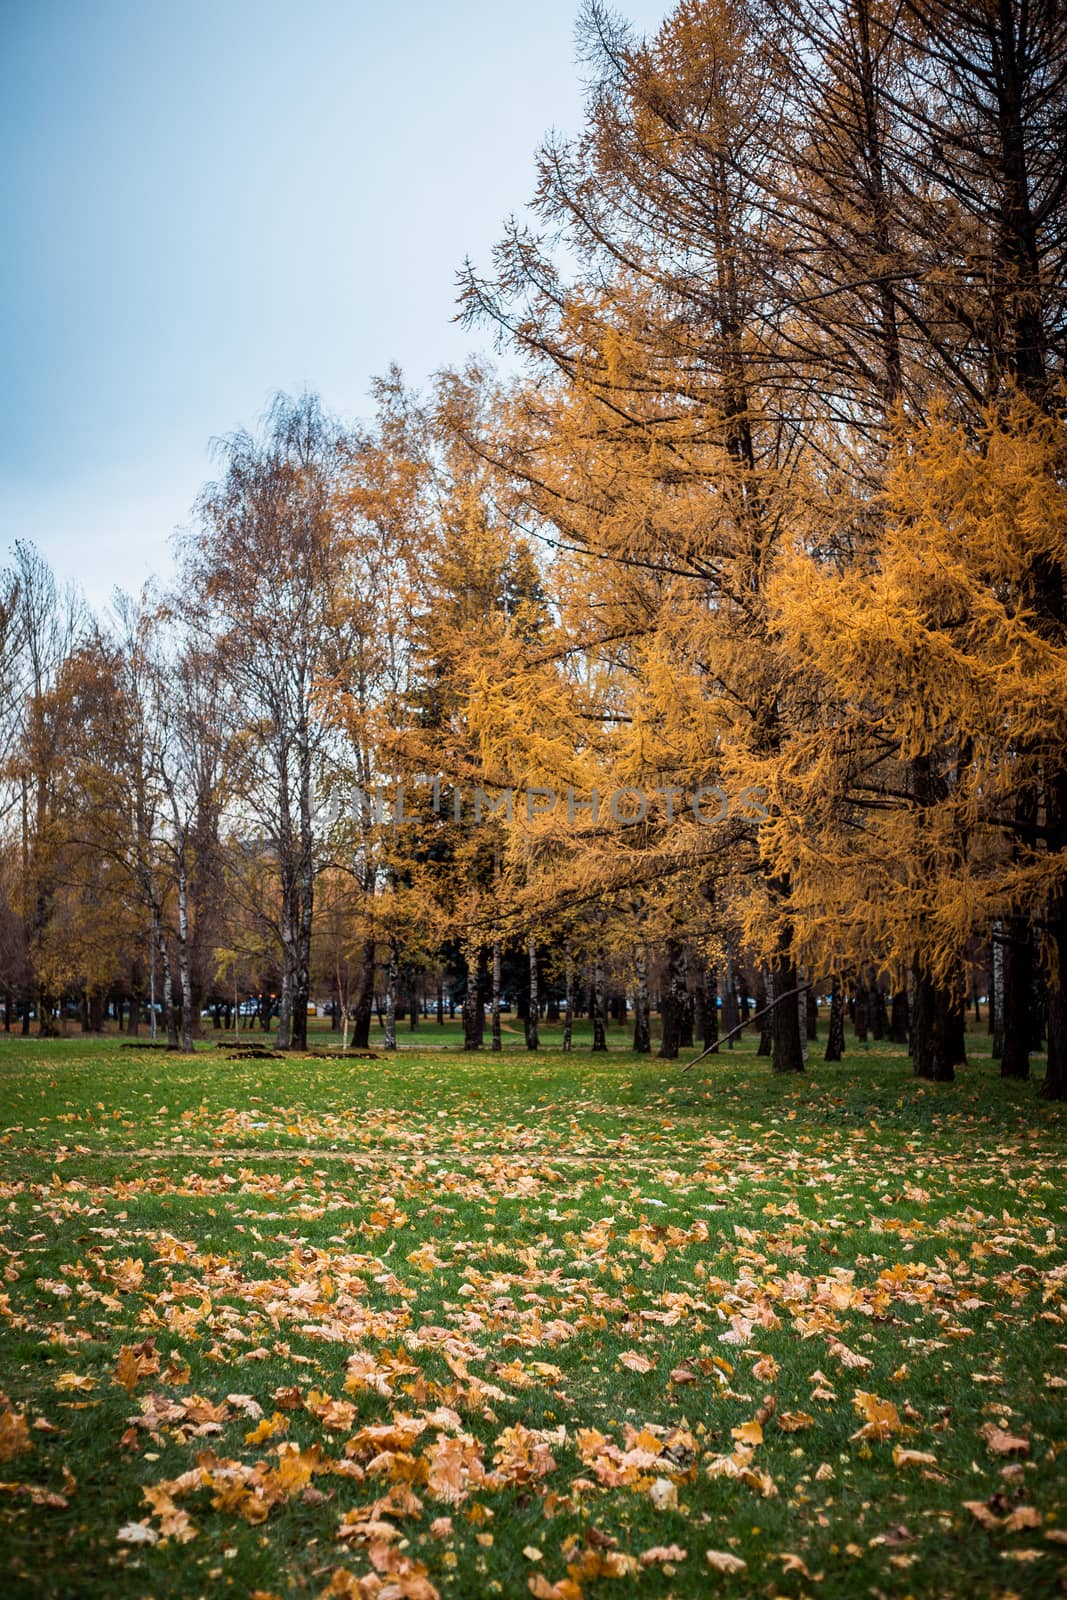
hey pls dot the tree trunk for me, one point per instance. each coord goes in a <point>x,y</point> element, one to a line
<point>811,1015</point>
<point>879,1018</point>
<point>473,1010</point>
<point>533,1011</point>
<point>597,996</point>
<point>802,1019</point>
<point>931,1029</point>
<point>494,1005</point>
<point>764,996</point>
<point>1054,1083</point>
<point>568,1003</point>
<point>46,1025</point>
<point>787,1047</point>
<point>729,995</point>
<point>363,1009</point>
<point>835,1036</point>
<point>184,974</point>
<point>1017,998</point>
<point>711,1006</point>
<point>642,1021</point>
<point>1038,1007</point>
<point>169,1017</point>
<point>898,1017</point>
<point>996,1008</point>
<point>671,993</point>
<point>685,1006</point>
<point>391,982</point>
<point>862,1021</point>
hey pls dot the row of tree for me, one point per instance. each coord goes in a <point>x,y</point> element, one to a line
<point>776,504</point>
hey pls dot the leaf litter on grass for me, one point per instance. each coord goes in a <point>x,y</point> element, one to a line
<point>469,1355</point>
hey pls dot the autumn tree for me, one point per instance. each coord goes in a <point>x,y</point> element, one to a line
<point>261,577</point>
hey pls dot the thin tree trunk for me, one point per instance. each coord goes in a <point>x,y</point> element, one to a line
<point>898,1017</point>
<point>184,974</point>
<point>685,1006</point>
<point>788,1049</point>
<point>642,1020</point>
<point>1054,1083</point>
<point>879,1017</point>
<point>495,999</point>
<point>391,982</point>
<point>802,1021</point>
<point>711,1005</point>
<point>597,995</point>
<point>568,1006</point>
<point>533,1011</point>
<point>835,1035</point>
<point>729,995</point>
<point>764,999</point>
<point>364,1006</point>
<point>862,1021</point>
<point>169,1017</point>
<point>996,1009</point>
<point>473,1011</point>
<point>671,990</point>
<point>1017,998</point>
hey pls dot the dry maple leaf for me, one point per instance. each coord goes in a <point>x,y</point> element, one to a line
<point>795,1421</point>
<point>847,1357</point>
<point>635,1361</point>
<point>173,1522</point>
<point>1002,1443</point>
<point>723,1561</point>
<point>14,1435</point>
<point>135,1361</point>
<point>137,1533</point>
<point>913,1458</point>
<point>882,1416</point>
<point>750,1433</point>
<point>267,1428</point>
<point>660,1553</point>
<point>74,1383</point>
<point>664,1495</point>
<point>565,1589</point>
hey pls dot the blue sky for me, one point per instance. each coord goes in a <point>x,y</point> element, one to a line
<point>207,202</point>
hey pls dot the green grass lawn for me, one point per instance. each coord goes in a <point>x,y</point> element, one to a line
<point>562,1325</point>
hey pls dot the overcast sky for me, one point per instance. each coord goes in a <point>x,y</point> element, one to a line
<point>206,201</point>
